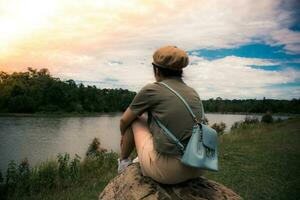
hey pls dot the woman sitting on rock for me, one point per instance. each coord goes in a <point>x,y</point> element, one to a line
<point>159,157</point>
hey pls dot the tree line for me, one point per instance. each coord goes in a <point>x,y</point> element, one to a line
<point>252,105</point>
<point>37,91</point>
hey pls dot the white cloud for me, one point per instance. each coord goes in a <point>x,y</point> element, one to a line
<point>232,77</point>
<point>290,40</point>
<point>92,41</point>
<point>228,77</point>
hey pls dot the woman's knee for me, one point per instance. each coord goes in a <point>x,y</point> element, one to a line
<point>140,124</point>
<point>140,132</point>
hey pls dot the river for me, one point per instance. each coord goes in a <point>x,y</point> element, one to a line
<point>42,137</point>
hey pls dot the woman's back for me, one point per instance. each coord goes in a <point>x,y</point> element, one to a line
<point>164,105</point>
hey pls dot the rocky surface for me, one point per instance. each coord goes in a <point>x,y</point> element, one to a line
<point>131,185</point>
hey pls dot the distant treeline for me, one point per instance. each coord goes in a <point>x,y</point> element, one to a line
<point>37,91</point>
<point>252,105</point>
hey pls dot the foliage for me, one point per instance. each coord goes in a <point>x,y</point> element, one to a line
<point>267,118</point>
<point>74,167</point>
<point>219,127</point>
<point>251,105</point>
<point>247,123</point>
<point>58,175</point>
<point>236,125</point>
<point>251,120</point>
<point>93,147</point>
<point>37,91</point>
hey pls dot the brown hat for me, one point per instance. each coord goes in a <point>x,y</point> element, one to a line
<point>170,57</point>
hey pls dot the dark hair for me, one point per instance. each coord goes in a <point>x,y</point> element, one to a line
<point>167,72</point>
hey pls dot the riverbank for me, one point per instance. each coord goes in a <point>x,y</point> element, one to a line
<point>258,161</point>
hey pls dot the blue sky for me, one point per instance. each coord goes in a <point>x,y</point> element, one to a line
<point>251,50</point>
<point>238,49</point>
<point>262,51</point>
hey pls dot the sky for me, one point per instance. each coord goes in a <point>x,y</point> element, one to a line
<point>237,49</point>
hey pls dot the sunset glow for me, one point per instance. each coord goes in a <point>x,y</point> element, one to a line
<point>97,41</point>
<point>20,18</point>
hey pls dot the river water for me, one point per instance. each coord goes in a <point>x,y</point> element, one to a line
<point>41,138</point>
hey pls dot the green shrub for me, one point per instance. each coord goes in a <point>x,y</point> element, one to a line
<point>59,174</point>
<point>44,176</point>
<point>248,121</point>
<point>251,120</point>
<point>236,125</point>
<point>23,175</point>
<point>75,167</point>
<point>220,128</point>
<point>267,118</point>
<point>11,173</point>
<point>63,165</point>
<point>93,148</point>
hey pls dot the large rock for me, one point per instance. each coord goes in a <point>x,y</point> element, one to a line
<point>131,185</point>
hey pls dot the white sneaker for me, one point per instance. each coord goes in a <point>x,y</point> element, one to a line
<point>136,160</point>
<point>123,164</point>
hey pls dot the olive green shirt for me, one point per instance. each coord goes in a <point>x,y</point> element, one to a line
<point>170,110</point>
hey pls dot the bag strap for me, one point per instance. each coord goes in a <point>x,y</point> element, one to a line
<point>202,113</point>
<point>169,134</point>
<point>185,103</point>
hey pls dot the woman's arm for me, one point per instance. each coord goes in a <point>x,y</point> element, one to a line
<point>127,118</point>
<point>142,102</point>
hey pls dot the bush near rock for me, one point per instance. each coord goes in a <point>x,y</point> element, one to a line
<point>219,127</point>
<point>248,121</point>
<point>131,185</point>
<point>267,118</point>
<point>251,120</point>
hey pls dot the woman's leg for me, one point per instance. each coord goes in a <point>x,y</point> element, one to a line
<point>134,137</point>
<point>127,143</point>
<point>140,132</point>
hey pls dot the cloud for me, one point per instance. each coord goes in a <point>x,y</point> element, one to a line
<point>94,40</point>
<point>229,77</point>
<point>233,77</point>
<point>290,40</point>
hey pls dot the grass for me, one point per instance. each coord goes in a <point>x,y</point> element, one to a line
<point>63,178</point>
<point>257,160</point>
<point>261,161</point>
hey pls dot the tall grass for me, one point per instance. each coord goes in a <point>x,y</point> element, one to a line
<point>54,176</point>
<point>261,161</point>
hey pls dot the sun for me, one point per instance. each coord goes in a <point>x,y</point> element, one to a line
<point>21,17</point>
